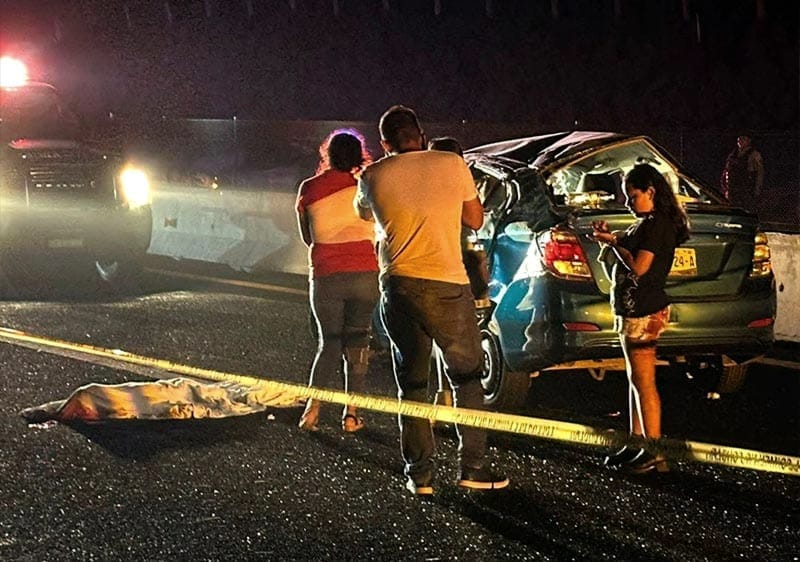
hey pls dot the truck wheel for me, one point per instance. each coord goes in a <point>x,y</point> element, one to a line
<point>503,389</point>
<point>119,275</point>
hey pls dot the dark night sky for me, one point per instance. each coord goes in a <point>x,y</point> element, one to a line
<point>645,69</point>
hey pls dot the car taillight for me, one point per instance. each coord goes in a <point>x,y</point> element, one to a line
<point>761,323</point>
<point>580,327</point>
<point>762,264</point>
<point>563,255</point>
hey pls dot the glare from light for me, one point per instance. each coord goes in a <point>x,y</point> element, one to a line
<point>13,73</point>
<point>135,187</point>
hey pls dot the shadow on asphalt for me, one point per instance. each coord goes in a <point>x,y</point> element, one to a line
<point>763,415</point>
<point>509,513</point>
<point>73,284</point>
<point>552,530</point>
<point>742,495</point>
<point>144,439</point>
<point>80,287</point>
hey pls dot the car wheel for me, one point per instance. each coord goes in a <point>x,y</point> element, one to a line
<point>716,375</point>
<point>117,274</point>
<point>503,388</point>
<point>731,378</point>
<point>107,270</point>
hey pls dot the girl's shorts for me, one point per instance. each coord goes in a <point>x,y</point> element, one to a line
<point>643,329</point>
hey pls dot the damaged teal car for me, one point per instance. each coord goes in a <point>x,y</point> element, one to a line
<point>549,293</point>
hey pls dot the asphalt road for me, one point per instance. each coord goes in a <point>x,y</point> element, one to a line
<point>256,488</point>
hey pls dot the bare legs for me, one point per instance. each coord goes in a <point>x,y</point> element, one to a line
<point>644,401</point>
<point>645,407</point>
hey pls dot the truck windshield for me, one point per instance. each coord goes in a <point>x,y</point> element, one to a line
<point>35,112</point>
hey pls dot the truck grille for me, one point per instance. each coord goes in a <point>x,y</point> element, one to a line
<point>61,178</point>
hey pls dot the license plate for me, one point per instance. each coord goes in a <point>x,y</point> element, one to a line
<point>65,243</point>
<point>684,263</point>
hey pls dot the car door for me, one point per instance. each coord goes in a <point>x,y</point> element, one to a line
<point>498,194</point>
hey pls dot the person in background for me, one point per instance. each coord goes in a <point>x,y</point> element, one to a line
<point>743,176</point>
<point>343,271</point>
<point>446,144</point>
<point>641,306</point>
<point>420,198</point>
<point>472,252</point>
<point>475,262</point>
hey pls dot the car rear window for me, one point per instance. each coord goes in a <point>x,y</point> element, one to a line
<point>596,179</point>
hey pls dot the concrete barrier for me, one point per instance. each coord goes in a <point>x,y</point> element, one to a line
<point>248,230</point>
<point>785,250</point>
<point>256,230</point>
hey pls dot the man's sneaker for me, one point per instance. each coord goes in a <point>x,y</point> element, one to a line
<point>481,479</point>
<point>419,488</point>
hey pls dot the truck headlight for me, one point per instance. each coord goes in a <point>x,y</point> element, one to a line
<point>135,187</point>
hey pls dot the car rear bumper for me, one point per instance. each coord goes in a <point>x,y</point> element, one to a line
<point>540,327</point>
<point>742,345</point>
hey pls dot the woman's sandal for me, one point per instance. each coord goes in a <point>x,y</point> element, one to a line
<point>622,456</point>
<point>310,418</point>
<point>646,463</point>
<point>352,423</point>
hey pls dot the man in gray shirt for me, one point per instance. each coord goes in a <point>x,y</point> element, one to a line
<point>420,199</point>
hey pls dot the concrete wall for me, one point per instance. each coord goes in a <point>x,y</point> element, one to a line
<point>247,230</point>
<point>255,230</point>
<point>785,249</point>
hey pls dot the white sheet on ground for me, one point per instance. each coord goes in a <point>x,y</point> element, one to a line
<point>177,398</point>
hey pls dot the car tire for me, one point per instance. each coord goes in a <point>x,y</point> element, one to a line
<point>504,389</point>
<point>715,376</point>
<point>732,378</point>
<point>119,275</point>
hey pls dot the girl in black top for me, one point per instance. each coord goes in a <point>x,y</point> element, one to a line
<point>641,306</point>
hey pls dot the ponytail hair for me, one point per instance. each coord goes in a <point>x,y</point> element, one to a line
<point>343,150</point>
<point>642,176</point>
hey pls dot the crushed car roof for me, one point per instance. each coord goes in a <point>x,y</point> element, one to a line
<point>540,151</point>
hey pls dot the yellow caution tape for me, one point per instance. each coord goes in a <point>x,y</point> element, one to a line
<point>496,421</point>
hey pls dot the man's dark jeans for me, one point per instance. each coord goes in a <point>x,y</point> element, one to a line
<point>417,312</point>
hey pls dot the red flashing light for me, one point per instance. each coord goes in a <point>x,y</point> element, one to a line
<point>13,72</point>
